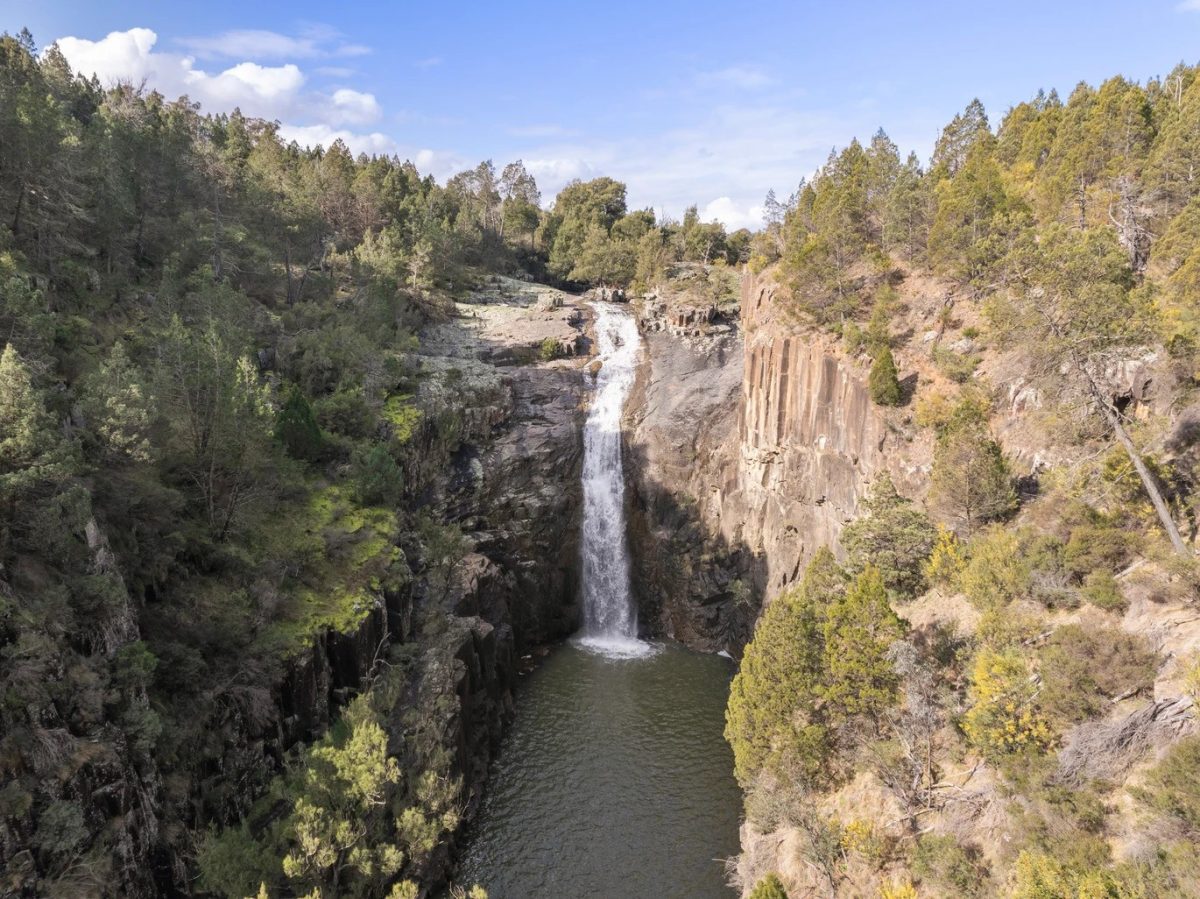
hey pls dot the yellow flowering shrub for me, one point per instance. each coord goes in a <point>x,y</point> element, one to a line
<point>1004,718</point>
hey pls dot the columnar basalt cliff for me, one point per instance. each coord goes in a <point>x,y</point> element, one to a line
<point>752,443</point>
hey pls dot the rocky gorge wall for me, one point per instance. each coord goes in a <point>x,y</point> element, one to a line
<point>751,443</point>
<point>512,488</point>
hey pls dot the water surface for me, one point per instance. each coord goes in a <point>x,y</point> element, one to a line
<point>614,781</point>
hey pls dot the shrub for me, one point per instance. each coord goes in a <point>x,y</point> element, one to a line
<point>949,868</point>
<point>346,412</point>
<point>955,366</point>
<point>770,887</point>
<point>1083,669</point>
<point>947,560</point>
<point>1172,786</point>
<point>1093,547</point>
<point>378,479</point>
<point>1101,589</point>
<point>884,382</point>
<point>997,571</point>
<point>1005,717</point>
<point>1042,876</point>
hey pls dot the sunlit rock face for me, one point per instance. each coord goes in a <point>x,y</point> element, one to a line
<point>752,443</point>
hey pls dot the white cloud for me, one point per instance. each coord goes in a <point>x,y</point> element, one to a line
<point>251,43</point>
<point>542,131</point>
<point>259,90</point>
<point>270,91</point>
<point>428,62</point>
<point>731,215</point>
<point>553,173</point>
<point>1189,6</point>
<point>354,107</point>
<point>374,143</point>
<point>742,77</point>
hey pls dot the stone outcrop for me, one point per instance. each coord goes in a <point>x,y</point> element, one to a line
<point>751,445</point>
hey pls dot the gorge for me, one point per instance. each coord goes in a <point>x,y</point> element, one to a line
<point>372,534</point>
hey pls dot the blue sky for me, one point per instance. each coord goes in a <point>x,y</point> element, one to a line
<point>706,103</point>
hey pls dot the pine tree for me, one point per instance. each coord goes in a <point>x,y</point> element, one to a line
<point>893,535</point>
<point>884,382</point>
<point>858,629</point>
<point>971,483</point>
<point>772,696</point>
<point>296,426</point>
<point>120,408</point>
<point>31,452</point>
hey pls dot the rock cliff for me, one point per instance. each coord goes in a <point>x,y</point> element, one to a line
<point>751,443</point>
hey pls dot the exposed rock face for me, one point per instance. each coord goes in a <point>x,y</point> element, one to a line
<point>690,572</point>
<point>811,440</point>
<point>750,448</point>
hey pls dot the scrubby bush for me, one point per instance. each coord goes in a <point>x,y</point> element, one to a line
<point>947,868</point>
<point>1172,786</point>
<point>1097,547</point>
<point>378,479</point>
<point>770,887</point>
<point>1101,589</point>
<point>946,560</point>
<point>996,572</point>
<point>1084,668</point>
<point>1005,717</point>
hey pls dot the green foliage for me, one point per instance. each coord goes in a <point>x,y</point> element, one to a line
<point>31,453</point>
<point>1097,546</point>
<point>378,479</point>
<point>1084,669</point>
<point>971,483</point>
<point>770,887</point>
<point>894,536</point>
<point>997,571</point>
<point>859,628</point>
<point>948,868</point>
<point>781,676</point>
<point>946,559</point>
<point>1172,787</point>
<point>296,427</point>
<point>119,407</point>
<point>884,381</point>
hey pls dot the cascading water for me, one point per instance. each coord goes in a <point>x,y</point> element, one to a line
<point>609,613</point>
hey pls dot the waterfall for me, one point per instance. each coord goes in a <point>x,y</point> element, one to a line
<point>609,613</point>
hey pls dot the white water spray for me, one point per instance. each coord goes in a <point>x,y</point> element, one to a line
<point>609,613</point>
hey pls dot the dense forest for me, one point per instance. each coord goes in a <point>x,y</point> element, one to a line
<point>1063,244</point>
<point>217,441</point>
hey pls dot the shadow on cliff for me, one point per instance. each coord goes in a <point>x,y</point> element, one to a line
<point>691,584</point>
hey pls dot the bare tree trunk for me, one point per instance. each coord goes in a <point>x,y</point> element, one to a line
<point>1160,505</point>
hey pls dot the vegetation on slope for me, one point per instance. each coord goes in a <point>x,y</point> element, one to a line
<point>1064,249</point>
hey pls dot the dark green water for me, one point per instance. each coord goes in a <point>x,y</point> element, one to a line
<point>614,782</point>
